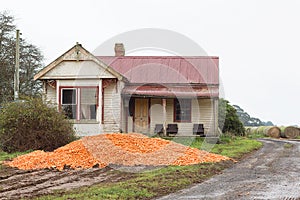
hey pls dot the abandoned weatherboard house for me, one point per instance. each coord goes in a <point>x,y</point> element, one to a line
<point>145,94</point>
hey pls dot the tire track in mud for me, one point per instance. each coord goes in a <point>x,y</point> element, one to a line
<point>17,184</point>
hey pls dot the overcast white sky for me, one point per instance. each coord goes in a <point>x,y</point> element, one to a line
<point>257,40</point>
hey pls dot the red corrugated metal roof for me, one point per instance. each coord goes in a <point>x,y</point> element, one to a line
<point>166,69</point>
<point>171,91</point>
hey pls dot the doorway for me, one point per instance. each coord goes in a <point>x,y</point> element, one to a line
<point>141,116</point>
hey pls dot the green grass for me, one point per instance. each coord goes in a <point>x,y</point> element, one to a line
<point>188,141</point>
<point>237,148</point>
<point>288,145</point>
<point>256,136</point>
<point>7,156</point>
<point>110,191</point>
<point>145,185</point>
<point>165,180</point>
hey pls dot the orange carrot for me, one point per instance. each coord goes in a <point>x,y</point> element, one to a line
<point>116,148</point>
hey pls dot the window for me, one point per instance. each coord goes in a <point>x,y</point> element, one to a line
<point>69,104</point>
<point>80,103</point>
<point>88,103</point>
<point>182,110</point>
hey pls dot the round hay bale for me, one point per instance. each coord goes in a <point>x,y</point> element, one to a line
<point>252,130</point>
<point>291,132</point>
<point>265,130</point>
<point>260,130</point>
<point>248,130</point>
<point>274,132</point>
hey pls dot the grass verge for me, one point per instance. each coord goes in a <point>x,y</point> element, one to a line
<point>165,180</point>
<point>6,156</point>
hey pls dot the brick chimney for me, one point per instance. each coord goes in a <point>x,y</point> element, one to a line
<point>119,49</point>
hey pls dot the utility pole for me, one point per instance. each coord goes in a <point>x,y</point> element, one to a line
<point>17,78</point>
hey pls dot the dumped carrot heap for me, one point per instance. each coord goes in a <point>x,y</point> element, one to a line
<point>136,144</point>
<point>116,148</point>
<point>73,155</point>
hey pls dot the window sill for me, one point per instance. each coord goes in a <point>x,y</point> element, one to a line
<point>84,122</point>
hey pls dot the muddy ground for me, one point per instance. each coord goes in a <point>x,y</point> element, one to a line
<point>17,184</point>
<point>273,172</point>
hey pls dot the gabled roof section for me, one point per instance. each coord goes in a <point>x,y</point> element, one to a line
<point>166,69</point>
<point>77,53</point>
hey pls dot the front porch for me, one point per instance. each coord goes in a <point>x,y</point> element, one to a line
<point>142,114</point>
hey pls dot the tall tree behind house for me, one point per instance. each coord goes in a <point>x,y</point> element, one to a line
<point>30,61</point>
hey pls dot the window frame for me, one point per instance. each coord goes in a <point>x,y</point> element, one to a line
<point>78,101</point>
<point>189,103</point>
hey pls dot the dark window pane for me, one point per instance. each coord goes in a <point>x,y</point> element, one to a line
<point>93,111</point>
<point>131,106</point>
<point>68,96</point>
<point>70,111</point>
<point>182,110</point>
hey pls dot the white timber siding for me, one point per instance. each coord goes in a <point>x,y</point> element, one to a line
<point>112,108</point>
<point>50,95</point>
<point>79,82</point>
<point>78,69</point>
<point>207,115</point>
<point>202,113</point>
<point>87,129</point>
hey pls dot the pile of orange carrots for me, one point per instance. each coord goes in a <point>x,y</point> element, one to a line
<point>73,155</point>
<point>134,143</point>
<point>116,148</point>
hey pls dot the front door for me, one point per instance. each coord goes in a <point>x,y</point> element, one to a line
<point>141,115</point>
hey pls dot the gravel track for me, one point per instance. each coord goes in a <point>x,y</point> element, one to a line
<point>273,172</point>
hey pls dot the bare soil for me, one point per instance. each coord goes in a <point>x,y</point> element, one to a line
<point>17,184</point>
<point>273,172</point>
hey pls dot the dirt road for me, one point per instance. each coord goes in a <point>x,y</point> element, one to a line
<point>273,172</point>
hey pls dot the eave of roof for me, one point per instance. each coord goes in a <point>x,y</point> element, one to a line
<point>171,91</point>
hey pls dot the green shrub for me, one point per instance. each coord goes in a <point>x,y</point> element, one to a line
<point>33,125</point>
<point>229,121</point>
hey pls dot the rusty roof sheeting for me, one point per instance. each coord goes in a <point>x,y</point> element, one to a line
<point>166,69</point>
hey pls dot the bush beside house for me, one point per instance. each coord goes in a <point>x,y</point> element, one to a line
<point>33,125</point>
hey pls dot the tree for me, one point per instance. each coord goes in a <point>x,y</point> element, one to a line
<point>228,119</point>
<point>247,120</point>
<point>30,61</point>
